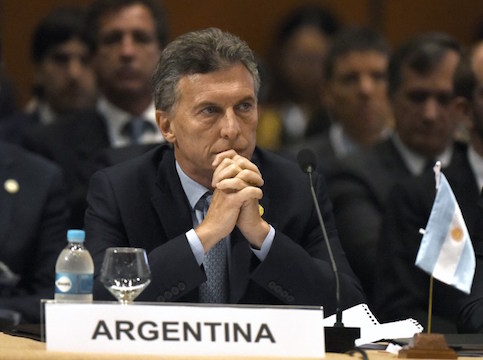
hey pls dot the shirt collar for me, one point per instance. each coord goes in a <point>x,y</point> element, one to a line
<point>415,162</point>
<point>192,189</point>
<point>46,113</point>
<point>116,118</point>
<point>341,143</point>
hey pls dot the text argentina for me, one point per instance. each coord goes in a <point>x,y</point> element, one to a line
<point>183,331</point>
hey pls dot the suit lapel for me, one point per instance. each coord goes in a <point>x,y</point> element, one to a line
<point>169,199</point>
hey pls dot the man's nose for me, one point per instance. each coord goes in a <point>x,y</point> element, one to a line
<point>230,126</point>
<point>75,68</point>
<point>366,85</point>
<point>128,47</point>
<point>431,109</point>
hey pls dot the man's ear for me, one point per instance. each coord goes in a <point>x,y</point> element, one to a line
<point>165,126</point>
<point>464,112</point>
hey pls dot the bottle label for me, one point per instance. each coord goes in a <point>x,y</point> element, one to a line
<point>68,283</point>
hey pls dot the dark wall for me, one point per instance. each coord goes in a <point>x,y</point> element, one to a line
<point>253,20</point>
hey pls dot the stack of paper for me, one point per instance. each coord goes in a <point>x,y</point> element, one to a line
<point>371,329</point>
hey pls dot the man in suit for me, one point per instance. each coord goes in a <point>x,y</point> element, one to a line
<point>261,217</point>
<point>33,218</point>
<point>127,38</point>
<point>64,78</point>
<point>420,91</point>
<point>471,313</point>
<point>33,225</point>
<point>355,95</point>
<point>402,287</point>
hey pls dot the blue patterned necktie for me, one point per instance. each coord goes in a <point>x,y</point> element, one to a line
<point>135,129</point>
<point>214,290</point>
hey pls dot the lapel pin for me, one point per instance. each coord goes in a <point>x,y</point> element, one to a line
<point>11,186</point>
<point>261,210</point>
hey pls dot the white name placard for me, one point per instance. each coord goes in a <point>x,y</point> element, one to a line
<point>174,329</point>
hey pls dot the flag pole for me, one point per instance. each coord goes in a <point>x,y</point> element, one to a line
<point>430,305</point>
<point>437,178</point>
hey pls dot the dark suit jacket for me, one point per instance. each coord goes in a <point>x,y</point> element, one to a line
<point>321,146</point>
<point>402,288</point>
<point>358,187</point>
<point>14,127</point>
<point>471,313</point>
<point>79,143</point>
<point>141,203</point>
<point>72,143</point>
<point>32,228</point>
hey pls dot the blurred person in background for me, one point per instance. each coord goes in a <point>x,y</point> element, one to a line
<point>127,37</point>
<point>64,78</point>
<point>33,220</point>
<point>293,107</point>
<point>404,287</point>
<point>355,96</point>
<point>8,98</point>
<point>420,89</point>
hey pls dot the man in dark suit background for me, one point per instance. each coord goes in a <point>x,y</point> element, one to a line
<point>471,313</point>
<point>261,213</point>
<point>127,38</point>
<point>33,219</point>
<point>420,91</point>
<point>403,288</point>
<point>64,78</point>
<point>355,96</point>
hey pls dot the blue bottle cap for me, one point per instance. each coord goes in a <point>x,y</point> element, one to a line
<point>76,235</point>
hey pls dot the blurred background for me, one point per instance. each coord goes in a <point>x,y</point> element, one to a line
<point>255,21</point>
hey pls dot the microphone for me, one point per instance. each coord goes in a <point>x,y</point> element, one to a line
<point>338,338</point>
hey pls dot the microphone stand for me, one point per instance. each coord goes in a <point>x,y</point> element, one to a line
<point>338,339</point>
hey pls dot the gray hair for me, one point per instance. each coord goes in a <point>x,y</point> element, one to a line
<point>199,52</point>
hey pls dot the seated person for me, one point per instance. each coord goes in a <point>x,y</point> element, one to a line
<point>33,219</point>
<point>420,88</point>
<point>260,225</point>
<point>402,287</point>
<point>64,79</point>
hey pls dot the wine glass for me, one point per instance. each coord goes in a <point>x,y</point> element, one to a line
<point>125,273</point>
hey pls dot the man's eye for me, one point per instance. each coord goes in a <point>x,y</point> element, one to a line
<point>245,106</point>
<point>210,110</point>
<point>111,39</point>
<point>141,37</point>
<point>349,79</point>
<point>379,76</point>
<point>61,59</point>
<point>444,99</point>
<point>418,96</point>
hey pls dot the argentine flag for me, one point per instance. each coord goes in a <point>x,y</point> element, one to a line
<point>446,251</point>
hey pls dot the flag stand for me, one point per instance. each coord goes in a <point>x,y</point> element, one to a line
<point>428,345</point>
<point>430,304</point>
<point>445,229</point>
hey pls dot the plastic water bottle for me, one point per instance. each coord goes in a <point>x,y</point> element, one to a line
<point>74,270</point>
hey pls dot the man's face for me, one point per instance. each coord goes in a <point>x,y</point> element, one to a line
<point>214,112</point>
<point>66,76</point>
<point>356,94</point>
<point>423,110</point>
<point>127,52</point>
<point>302,60</point>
